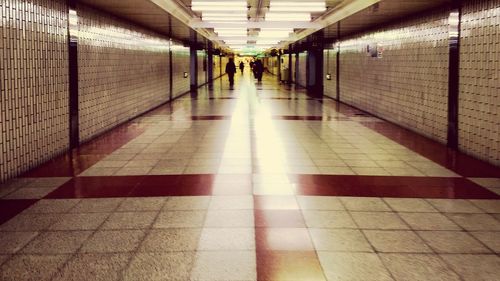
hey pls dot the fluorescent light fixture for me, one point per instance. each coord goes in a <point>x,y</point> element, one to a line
<point>295,6</point>
<point>275,33</point>
<point>272,16</point>
<point>198,5</point>
<point>227,19</point>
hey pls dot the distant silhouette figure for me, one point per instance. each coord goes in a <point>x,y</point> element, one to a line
<point>242,66</point>
<point>258,69</point>
<point>230,70</point>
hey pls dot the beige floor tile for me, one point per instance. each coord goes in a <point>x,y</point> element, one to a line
<point>47,206</point>
<point>409,205</point>
<point>177,219</point>
<point>411,172</point>
<point>31,267</point>
<point>84,221</point>
<point>130,220</point>
<point>361,163</point>
<point>454,206</point>
<point>339,240</point>
<point>328,219</point>
<point>47,182</point>
<point>110,164</point>
<point>452,242</point>
<point>11,242</point>
<point>159,266</point>
<point>378,220</point>
<point>96,172</point>
<point>171,239</point>
<point>475,267</point>
<point>489,206</point>
<point>133,171</point>
<point>142,204</point>
<point>229,218</point>
<point>97,205</point>
<point>224,265</point>
<point>487,182</point>
<point>29,222</point>
<point>57,242</point>
<point>113,241</point>
<point>472,222</point>
<point>364,204</point>
<point>231,202</point>
<point>370,171</point>
<point>187,203</point>
<point>99,267</point>
<point>321,162</point>
<point>428,221</point>
<point>135,163</point>
<point>325,203</point>
<point>227,239</point>
<point>336,171</point>
<point>167,171</point>
<point>405,267</point>
<point>488,238</point>
<point>30,193</point>
<point>353,266</point>
<point>396,241</point>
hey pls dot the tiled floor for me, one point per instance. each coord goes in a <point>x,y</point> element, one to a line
<point>257,183</point>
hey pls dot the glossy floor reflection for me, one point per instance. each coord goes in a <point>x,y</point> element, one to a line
<point>257,183</point>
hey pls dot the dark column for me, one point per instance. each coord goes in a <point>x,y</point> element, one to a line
<point>338,63</point>
<point>193,65</point>
<point>170,73</point>
<point>210,66</point>
<point>74,130</point>
<point>315,65</point>
<point>453,74</point>
<point>290,53</point>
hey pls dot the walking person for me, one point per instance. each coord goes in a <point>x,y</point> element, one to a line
<point>258,70</point>
<point>231,70</point>
<point>242,66</point>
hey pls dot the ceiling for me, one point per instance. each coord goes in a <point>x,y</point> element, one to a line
<point>152,16</point>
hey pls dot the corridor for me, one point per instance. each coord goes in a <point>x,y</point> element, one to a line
<point>262,182</point>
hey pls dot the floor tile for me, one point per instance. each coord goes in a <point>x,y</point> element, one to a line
<point>84,221</point>
<point>378,220</point>
<point>159,266</point>
<point>475,267</point>
<point>289,266</point>
<point>31,267</point>
<point>231,202</point>
<point>130,220</point>
<point>409,205</point>
<point>101,267</point>
<point>176,219</point>
<point>339,240</point>
<point>113,241</point>
<point>11,242</point>
<point>364,204</point>
<point>286,239</point>
<point>171,240</point>
<point>29,222</point>
<point>57,242</point>
<point>451,242</point>
<point>328,219</point>
<point>428,221</point>
<point>473,222</point>
<point>488,238</point>
<point>97,205</point>
<point>488,206</point>
<point>276,202</point>
<point>418,267</point>
<point>390,241</point>
<point>187,203</point>
<point>229,218</point>
<point>222,265</point>
<point>47,206</point>
<point>279,218</point>
<point>141,204</point>
<point>454,206</point>
<point>30,193</point>
<point>221,239</point>
<point>326,203</point>
<point>353,266</point>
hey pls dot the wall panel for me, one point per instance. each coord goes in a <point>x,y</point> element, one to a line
<point>216,68</point>
<point>330,67</point>
<point>404,77</point>
<point>202,74</point>
<point>180,65</point>
<point>123,71</point>
<point>302,70</point>
<point>34,84</point>
<point>479,98</point>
